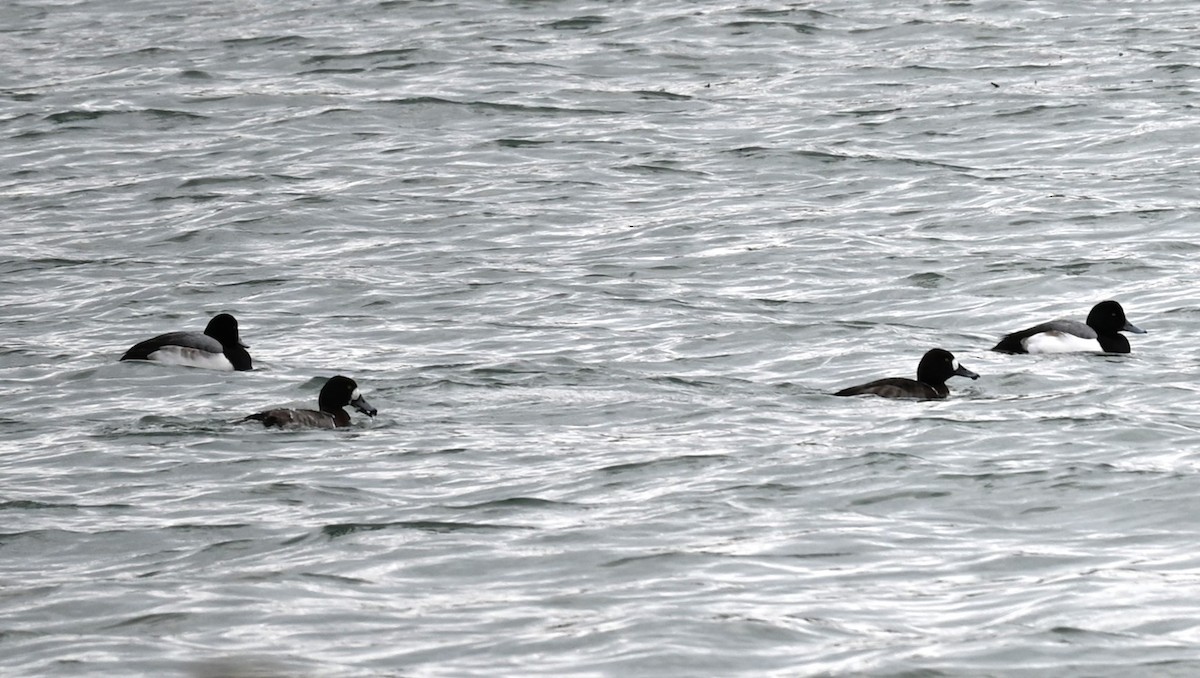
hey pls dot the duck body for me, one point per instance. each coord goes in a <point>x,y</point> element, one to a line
<point>289,418</point>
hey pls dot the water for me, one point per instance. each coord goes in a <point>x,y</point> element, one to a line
<point>598,265</point>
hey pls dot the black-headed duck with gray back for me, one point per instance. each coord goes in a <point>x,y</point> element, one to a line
<point>217,348</point>
<point>1100,334</point>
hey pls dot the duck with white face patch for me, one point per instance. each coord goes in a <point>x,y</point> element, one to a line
<point>335,395</point>
<point>936,366</point>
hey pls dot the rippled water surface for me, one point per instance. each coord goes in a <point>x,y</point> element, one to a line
<point>599,266</point>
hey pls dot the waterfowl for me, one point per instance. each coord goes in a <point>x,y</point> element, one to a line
<point>936,366</point>
<point>217,348</point>
<point>335,395</point>
<point>1100,334</point>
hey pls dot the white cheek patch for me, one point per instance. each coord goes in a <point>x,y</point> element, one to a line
<point>355,396</point>
<point>954,364</point>
<point>191,357</point>
<point>1061,342</point>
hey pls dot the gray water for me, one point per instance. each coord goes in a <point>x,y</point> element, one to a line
<point>599,266</point>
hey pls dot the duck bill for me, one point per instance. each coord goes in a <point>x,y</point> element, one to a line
<point>964,372</point>
<point>1130,327</point>
<point>360,403</point>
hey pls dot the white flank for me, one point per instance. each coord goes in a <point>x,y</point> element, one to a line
<point>191,357</point>
<point>1060,342</point>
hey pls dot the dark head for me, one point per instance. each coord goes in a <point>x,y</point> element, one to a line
<point>1107,318</point>
<point>938,365</point>
<point>224,328</point>
<point>341,391</point>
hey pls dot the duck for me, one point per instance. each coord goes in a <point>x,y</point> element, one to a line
<point>1100,334</point>
<point>335,395</point>
<point>936,366</point>
<point>217,348</point>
